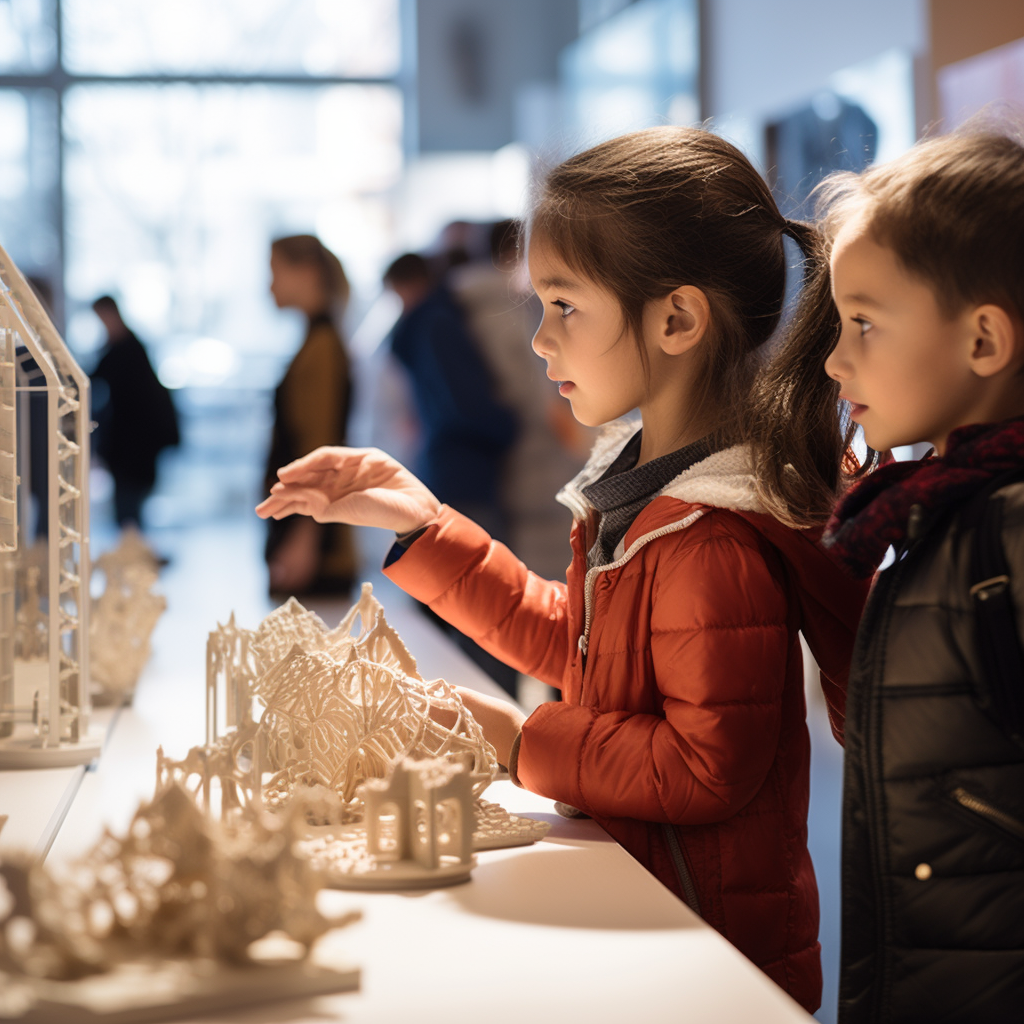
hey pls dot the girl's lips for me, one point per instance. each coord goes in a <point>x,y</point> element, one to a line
<point>855,407</point>
<point>565,387</point>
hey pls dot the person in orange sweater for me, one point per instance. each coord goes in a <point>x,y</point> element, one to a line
<point>660,263</point>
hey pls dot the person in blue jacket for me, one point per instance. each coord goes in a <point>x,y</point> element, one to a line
<point>466,433</point>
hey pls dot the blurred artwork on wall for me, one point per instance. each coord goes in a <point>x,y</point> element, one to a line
<point>992,79</point>
<point>863,114</point>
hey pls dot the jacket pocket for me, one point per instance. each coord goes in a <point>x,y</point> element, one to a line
<point>988,812</point>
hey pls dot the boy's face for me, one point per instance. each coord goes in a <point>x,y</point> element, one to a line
<point>903,365</point>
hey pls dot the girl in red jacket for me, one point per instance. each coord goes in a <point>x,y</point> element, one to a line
<point>659,260</point>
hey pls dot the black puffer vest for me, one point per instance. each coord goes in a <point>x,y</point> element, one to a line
<point>933,802</point>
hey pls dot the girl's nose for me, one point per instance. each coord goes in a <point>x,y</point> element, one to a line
<point>538,343</point>
<point>836,365</point>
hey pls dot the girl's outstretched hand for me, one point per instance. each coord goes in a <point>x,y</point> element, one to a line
<point>361,486</point>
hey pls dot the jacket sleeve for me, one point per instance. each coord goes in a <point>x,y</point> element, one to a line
<point>481,588</point>
<point>720,647</point>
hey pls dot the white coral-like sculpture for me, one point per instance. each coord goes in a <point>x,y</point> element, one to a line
<point>123,618</point>
<point>337,708</point>
<point>176,884</point>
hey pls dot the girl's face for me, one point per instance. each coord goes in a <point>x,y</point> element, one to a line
<point>902,363</point>
<point>584,341</point>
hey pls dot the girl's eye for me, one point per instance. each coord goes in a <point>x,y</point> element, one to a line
<point>865,325</point>
<point>564,307</point>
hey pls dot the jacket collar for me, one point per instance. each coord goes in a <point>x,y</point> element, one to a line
<point>723,480</point>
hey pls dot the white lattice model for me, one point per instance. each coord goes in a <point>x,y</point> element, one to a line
<point>311,710</point>
<point>177,885</point>
<point>337,709</point>
<point>44,700</point>
<point>123,618</point>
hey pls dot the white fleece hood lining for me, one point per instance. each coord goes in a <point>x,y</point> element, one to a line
<point>722,480</point>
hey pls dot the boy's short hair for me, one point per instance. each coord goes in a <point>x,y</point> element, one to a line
<point>952,210</point>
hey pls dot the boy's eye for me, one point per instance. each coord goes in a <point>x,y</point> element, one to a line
<point>564,307</point>
<point>865,325</point>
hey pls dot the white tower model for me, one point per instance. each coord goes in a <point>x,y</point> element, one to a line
<point>44,591</point>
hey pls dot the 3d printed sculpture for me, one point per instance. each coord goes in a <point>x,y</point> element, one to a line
<point>307,709</point>
<point>417,831</point>
<point>139,910</point>
<point>337,709</point>
<point>123,618</point>
<point>44,628</point>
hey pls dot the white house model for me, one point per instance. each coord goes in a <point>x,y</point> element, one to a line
<point>44,593</point>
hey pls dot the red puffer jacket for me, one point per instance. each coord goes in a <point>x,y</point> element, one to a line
<point>681,726</point>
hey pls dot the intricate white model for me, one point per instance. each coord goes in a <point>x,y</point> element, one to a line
<point>44,700</point>
<point>337,709</point>
<point>127,927</point>
<point>309,710</point>
<point>123,618</point>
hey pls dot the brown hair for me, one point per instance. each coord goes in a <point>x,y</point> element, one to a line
<point>643,214</point>
<point>309,251</point>
<point>952,211</point>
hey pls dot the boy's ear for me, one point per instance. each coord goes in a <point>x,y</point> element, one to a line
<point>997,343</point>
<point>684,315</point>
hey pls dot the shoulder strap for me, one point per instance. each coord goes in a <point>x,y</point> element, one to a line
<point>998,641</point>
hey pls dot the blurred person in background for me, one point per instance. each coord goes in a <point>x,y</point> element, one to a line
<point>466,431</point>
<point>134,413</point>
<point>502,314</point>
<point>39,425</point>
<point>311,407</point>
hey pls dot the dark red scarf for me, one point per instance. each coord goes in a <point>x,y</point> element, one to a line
<point>874,514</point>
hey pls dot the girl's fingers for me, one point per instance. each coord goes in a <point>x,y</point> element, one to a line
<point>285,508</point>
<point>299,475</point>
<point>290,501</point>
<point>265,509</point>
<point>320,461</point>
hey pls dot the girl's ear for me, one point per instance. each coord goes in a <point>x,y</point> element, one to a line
<point>996,343</point>
<point>684,315</point>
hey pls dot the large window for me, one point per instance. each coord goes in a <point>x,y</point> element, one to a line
<point>153,149</point>
<point>341,38</point>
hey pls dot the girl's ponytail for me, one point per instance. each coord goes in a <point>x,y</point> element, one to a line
<point>796,436</point>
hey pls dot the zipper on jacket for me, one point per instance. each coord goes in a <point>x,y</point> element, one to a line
<point>870,649</point>
<point>591,578</point>
<point>682,869</point>
<point>985,810</point>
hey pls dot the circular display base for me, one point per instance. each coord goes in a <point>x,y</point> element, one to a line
<point>402,875</point>
<point>27,753</point>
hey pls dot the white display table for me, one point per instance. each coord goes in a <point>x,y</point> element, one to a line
<point>571,929</point>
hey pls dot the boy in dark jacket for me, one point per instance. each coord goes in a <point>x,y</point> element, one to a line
<point>927,265</point>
